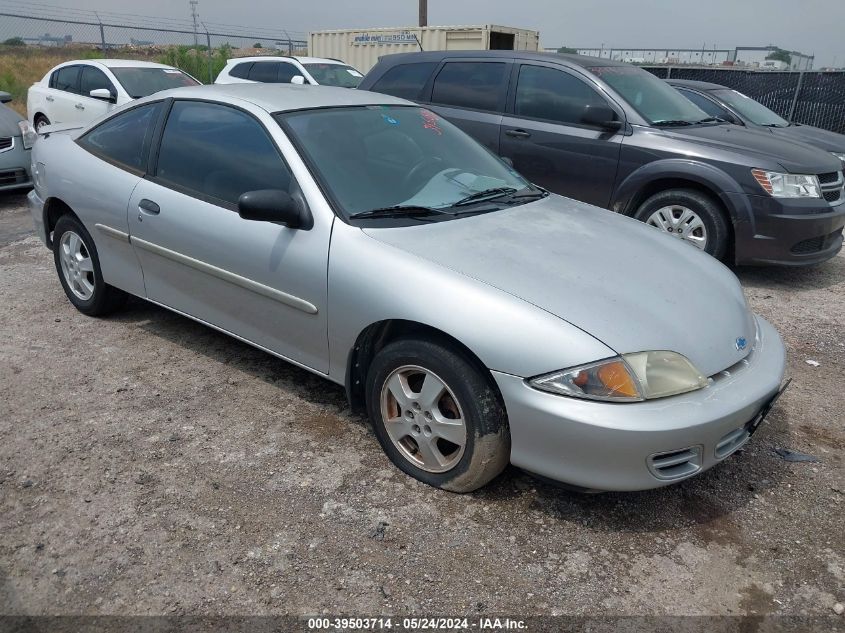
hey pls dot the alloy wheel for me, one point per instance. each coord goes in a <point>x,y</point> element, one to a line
<point>77,265</point>
<point>423,418</point>
<point>682,222</point>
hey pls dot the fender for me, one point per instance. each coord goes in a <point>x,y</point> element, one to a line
<point>713,178</point>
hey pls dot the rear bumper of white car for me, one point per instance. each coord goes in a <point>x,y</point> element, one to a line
<point>636,446</point>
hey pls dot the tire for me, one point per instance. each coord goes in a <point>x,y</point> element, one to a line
<point>40,121</point>
<point>82,282</point>
<point>680,209</point>
<point>481,446</point>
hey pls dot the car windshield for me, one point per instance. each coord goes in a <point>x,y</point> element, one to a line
<point>383,157</point>
<point>749,109</point>
<point>657,102</point>
<point>334,75</point>
<point>140,82</point>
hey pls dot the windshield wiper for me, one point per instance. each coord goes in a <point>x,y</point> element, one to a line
<point>671,123</point>
<point>712,119</point>
<point>396,211</point>
<point>486,194</point>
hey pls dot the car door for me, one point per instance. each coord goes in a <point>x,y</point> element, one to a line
<point>63,95</point>
<point>544,135</point>
<point>92,78</point>
<point>471,94</point>
<point>260,281</point>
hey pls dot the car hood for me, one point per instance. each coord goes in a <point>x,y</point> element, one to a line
<point>9,122</point>
<point>794,156</point>
<point>627,284</point>
<point>815,136</point>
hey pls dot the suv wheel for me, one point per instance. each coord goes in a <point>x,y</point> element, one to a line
<point>436,416</point>
<point>78,266</point>
<point>688,215</point>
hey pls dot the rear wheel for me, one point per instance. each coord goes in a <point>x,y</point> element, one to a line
<point>40,122</point>
<point>437,416</point>
<point>688,215</point>
<point>78,266</point>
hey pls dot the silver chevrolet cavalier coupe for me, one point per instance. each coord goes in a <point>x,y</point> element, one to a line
<point>477,319</point>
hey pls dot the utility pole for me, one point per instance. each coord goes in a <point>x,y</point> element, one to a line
<point>423,13</point>
<point>194,18</point>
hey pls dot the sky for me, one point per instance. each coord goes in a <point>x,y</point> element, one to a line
<point>810,26</point>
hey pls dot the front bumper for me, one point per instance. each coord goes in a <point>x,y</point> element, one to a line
<point>788,232</point>
<point>611,446</point>
<point>14,166</point>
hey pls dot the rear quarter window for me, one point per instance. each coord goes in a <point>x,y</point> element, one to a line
<point>125,138</point>
<point>405,80</point>
<point>241,71</point>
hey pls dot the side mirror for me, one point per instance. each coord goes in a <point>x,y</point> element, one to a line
<point>5,97</point>
<point>274,205</point>
<point>299,80</point>
<point>102,93</point>
<point>602,116</point>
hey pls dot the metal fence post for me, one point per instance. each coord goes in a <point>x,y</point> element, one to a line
<point>210,71</point>
<point>795,97</point>
<point>669,73</point>
<point>103,40</point>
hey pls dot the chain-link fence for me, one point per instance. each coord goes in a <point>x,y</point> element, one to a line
<point>810,97</point>
<point>35,37</point>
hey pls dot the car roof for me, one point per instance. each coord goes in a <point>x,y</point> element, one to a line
<point>700,85</point>
<point>578,60</point>
<point>282,97</point>
<point>301,60</point>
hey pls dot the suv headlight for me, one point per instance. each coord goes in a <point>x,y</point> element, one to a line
<point>788,185</point>
<point>626,378</point>
<point>28,134</point>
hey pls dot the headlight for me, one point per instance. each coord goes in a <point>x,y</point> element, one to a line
<point>627,378</point>
<point>788,185</point>
<point>840,156</point>
<point>28,134</point>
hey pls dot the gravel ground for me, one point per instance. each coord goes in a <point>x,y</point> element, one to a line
<point>149,465</point>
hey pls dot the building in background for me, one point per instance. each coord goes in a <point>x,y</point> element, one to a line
<point>743,56</point>
<point>362,48</point>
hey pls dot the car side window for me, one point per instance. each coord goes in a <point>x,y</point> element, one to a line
<point>265,72</point>
<point>705,104</point>
<point>287,72</point>
<point>241,71</point>
<point>218,152</point>
<point>553,95</point>
<point>94,79</point>
<point>67,79</point>
<point>476,85</point>
<point>405,80</point>
<point>124,138</point>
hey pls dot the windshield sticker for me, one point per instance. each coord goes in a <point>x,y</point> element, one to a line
<point>430,122</point>
<point>389,119</point>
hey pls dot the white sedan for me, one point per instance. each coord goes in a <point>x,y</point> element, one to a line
<point>81,90</point>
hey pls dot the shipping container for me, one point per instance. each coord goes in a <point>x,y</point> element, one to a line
<point>362,48</point>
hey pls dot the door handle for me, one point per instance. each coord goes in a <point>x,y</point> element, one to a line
<point>149,207</point>
<point>518,133</point>
<point>49,98</point>
<point>79,106</point>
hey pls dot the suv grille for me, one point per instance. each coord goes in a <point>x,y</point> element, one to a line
<point>832,186</point>
<point>816,244</point>
<point>5,142</point>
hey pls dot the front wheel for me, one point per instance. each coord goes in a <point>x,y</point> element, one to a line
<point>437,416</point>
<point>688,215</point>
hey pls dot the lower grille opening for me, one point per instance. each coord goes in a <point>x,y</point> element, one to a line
<point>12,176</point>
<point>675,464</point>
<point>816,244</point>
<point>732,441</point>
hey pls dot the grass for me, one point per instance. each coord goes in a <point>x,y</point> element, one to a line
<point>21,66</point>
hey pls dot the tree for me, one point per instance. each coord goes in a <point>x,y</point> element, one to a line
<point>257,45</point>
<point>14,41</point>
<point>566,49</point>
<point>780,55</point>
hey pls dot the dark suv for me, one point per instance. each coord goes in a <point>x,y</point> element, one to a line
<point>613,135</point>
